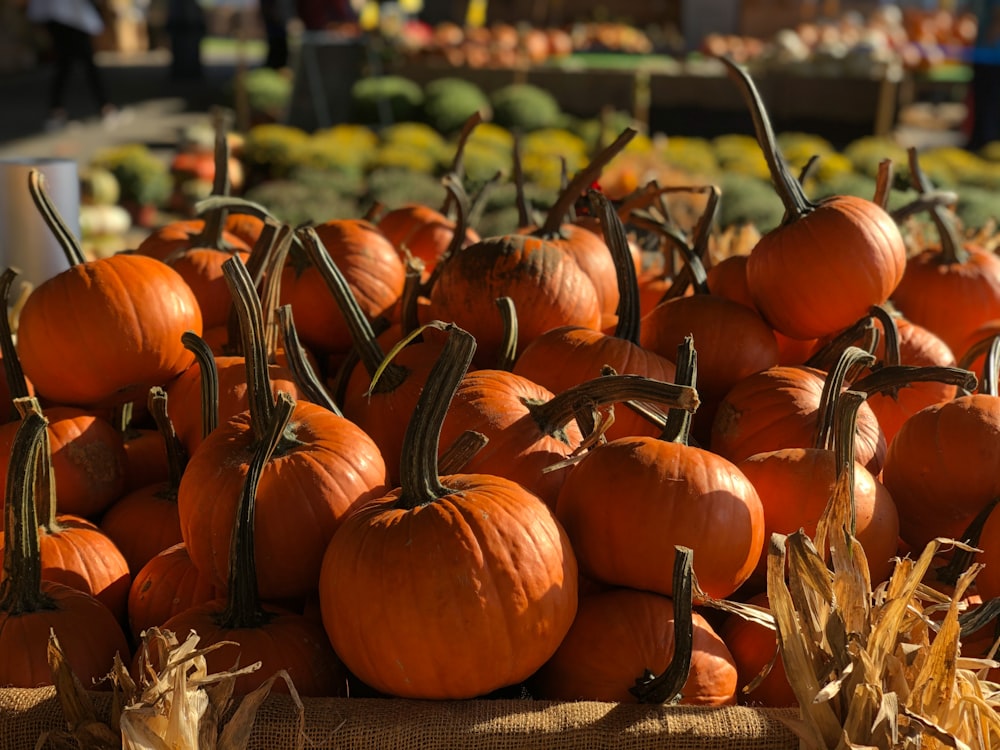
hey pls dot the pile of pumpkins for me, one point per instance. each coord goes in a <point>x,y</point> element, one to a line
<point>394,458</point>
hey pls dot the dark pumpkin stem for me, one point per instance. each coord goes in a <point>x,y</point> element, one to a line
<point>16,383</point>
<point>252,335</point>
<point>523,215</point>
<point>256,264</point>
<point>271,294</point>
<point>53,219</point>
<point>215,219</point>
<point>890,335</point>
<point>305,376</point>
<point>455,189</point>
<point>987,613</point>
<point>419,477</point>
<point>678,425</point>
<point>508,346</point>
<point>707,220</point>
<point>237,205</point>
<point>554,414</point>
<point>788,188</point>
<point>629,313</point>
<point>477,206</point>
<point>374,213</point>
<point>581,182</point>
<point>455,457</point>
<point>809,169</point>
<point>988,383</point>
<point>458,163</point>
<point>365,343</point>
<point>962,559</point>
<point>844,429</point>
<point>243,608</point>
<point>209,374</point>
<point>409,300</point>
<point>826,356</point>
<point>667,688</point>
<point>176,455</point>
<point>45,481</point>
<point>883,184</point>
<point>889,380</point>
<point>850,359</point>
<point>21,588</point>
<point>952,248</point>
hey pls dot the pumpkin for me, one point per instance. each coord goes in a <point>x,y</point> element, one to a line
<point>477,572</point>
<point>278,639</point>
<point>827,262</point>
<point>630,501</point>
<point>30,607</point>
<point>754,647</point>
<point>324,465</point>
<point>951,289</point>
<point>130,312</point>
<point>583,352</point>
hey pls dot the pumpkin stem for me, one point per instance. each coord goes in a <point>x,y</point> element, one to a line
<point>21,588</point>
<point>809,169</point>
<point>209,374</point>
<point>456,456</point>
<point>583,180</point>
<point>261,400</point>
<point>243,609</point>
<point>508,346</point>
<point>455,189</point>
<point>176,455</point>
<point>667,688</point>
<point>16,383</point>
<point>215,219</point>
<point>409,300</point>
<point>952,248</point>
<point>845,429</point>
<point>629,314</point>
<point>419,477</point>
<point>883,184</point>
<point>858,334</point>
<point>962,559</point>
<point>477,205</point>
<point>458,163</point>
<point>890,334</point>
<point>365,343</point>
<point>677,428</point>
<point>45,480</point>
<point>53,220</point>
<point>552,415</point>
<point>305,377</point>
<point>256,264</point>
<point>271,295</point>
<point>888,380</point>
<point>793,198</point>
<point>850,360</point>
<point>991,369</point>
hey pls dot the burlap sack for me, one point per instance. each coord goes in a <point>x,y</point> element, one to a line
<point>382,724</point>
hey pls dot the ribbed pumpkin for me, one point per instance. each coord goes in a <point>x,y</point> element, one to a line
<point>130,312</point>
<point>629,502</point>
<point>475,570</point>
<point>753,647</point>
<point>325,465</point>
<point>30,607</point>
<point>828,261</point>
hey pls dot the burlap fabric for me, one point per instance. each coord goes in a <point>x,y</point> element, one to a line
<point>382,724</point>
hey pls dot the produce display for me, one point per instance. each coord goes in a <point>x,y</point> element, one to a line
<point>519,408</point>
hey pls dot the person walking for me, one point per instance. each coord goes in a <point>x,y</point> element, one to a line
<point>72,26</point>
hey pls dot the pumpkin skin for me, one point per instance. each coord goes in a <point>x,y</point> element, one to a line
<point>950,299</point>
<point>305,490</point>
<point>795,485</point>
<point>166,586</point>
<point>130,311</point>
<point>373,270</point>
<point>547,286</point>
<point>88,633</point>
<point>630,501</point>
<point>943,467</point>
<point>483,580</point>
<point>818,274</point>
<point>178,236</point>
<point>777,408</point>
<point>620,633</point>
<point>144,523</point>
<point>752,647</point>
<point>423,232</point>
<point>201,268</point>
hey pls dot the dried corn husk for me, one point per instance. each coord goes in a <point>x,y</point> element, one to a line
<point>177,707</point>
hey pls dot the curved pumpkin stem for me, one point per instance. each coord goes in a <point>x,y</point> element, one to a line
<point>409,300</point>
<point>523,214</point>
<point>21,589</point>
<point>859,334</point>
<point>44,490</point>
<point>629,313</point>
<point>53,220</point>
<point>851,359</point>
<point>678,424</point>
<point>458,163</point>
<point>176,455</point>
<point>305,377</point>
<point>667,687</point>
<point>209,375</point>
<point>243,609</point>
<point>215,219</point>
<point>256,264</point>
<point>508,349</point>
<point>788,188</point>
<point>962,559</point>
<point>455,189</point>
<point>888,380</point>
<point>583,180</point>
<point>952,248</point>
<point>883,184</point>
<point>988,384</point>
<point>456,456</point>
<point>419,478</point>
<point>252,335</point>
<point>845,428</point>
<point>271,294</point>
<point>16,383</point>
